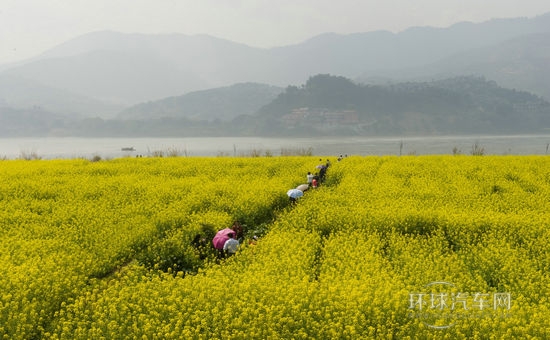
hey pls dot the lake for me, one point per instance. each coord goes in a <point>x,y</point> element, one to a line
<point>71,147</point>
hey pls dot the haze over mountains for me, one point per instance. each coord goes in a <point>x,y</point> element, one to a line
<point>106,75</point>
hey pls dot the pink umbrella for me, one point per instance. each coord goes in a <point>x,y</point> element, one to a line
<point>221,236</point>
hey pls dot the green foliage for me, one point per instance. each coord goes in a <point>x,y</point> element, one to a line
<point>450,106</point>
<point>173,253</point>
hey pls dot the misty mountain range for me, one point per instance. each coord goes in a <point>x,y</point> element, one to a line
<point>223,103</point>
<point>111,78</point>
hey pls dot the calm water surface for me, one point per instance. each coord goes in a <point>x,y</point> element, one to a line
<point>49,148</point>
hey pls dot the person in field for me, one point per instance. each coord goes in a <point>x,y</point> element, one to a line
<point>309,178</point>
<point>322,173</point>
<point>231,246</point>
<point>238,229</point>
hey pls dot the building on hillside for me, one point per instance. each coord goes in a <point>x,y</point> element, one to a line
<point>320,117</point>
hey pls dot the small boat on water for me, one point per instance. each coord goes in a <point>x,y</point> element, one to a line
<point>131,148</point>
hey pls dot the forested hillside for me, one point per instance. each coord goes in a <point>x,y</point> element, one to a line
<point>456,105</point>
<point>325,105</point>
<point>223,103</point>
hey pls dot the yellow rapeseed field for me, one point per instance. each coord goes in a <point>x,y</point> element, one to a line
<point>431,247</point>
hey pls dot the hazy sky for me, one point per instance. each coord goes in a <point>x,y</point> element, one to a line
<point>29,27</point>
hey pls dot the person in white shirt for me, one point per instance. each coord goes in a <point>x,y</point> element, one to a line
<point>231,245</point>
<point>309,178</point>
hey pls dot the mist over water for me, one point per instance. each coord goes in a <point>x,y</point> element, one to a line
<point>106,148</point>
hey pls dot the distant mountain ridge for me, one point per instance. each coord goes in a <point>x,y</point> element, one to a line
<point>19,92</point>
<point>223,103</point>
<point>335,105</point>
<point>137,76</point>
<point>521,63</point>
<point>32,122</point>
<point>325,105</point>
